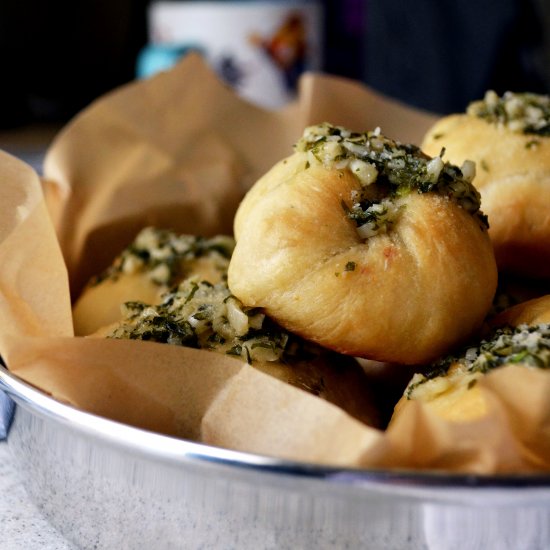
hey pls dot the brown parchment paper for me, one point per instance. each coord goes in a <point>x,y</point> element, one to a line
<point>178,151</point>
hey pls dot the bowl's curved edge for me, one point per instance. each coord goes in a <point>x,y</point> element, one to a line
<point>180,451</point>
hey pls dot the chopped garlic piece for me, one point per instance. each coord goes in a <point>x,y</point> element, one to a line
<point>365,171</point>
<point>434,167</point>
<point>468,170</point>
<point>238,319</point>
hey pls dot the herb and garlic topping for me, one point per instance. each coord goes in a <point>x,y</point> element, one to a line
<point>526,113</point>
<point>201,315</point>
<point>396,169</point>
<point>526,345</point>
<point>165,257</point>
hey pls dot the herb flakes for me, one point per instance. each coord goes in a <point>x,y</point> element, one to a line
<point>165,257</point>
<point>526,345</point>
<point>396,169</point>
<point>526,113</point>
<point>201,315</point>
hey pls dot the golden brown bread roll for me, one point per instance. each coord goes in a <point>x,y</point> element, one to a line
<point>154,262</point>
<point>365,246</point>
<point>449,387</point>
<point>206,316</point>
<point>509,140</point>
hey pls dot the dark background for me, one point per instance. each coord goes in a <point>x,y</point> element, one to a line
<point>57,56</point>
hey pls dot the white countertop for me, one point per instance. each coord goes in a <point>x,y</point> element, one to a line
<point>22,527</point>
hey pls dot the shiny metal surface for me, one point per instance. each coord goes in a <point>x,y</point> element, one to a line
<point>107,485</point>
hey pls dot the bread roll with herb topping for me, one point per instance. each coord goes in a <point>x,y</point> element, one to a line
<point>365,246</point>
<point>508,138</point>
<point>207,316</point>
<point>156,261</point>
<point>449,387</point>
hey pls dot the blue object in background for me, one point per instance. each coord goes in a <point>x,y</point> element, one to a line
<point>7,408</point>
<point>160,57</point>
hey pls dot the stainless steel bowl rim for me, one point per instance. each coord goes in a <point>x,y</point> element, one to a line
<point>181,451</point>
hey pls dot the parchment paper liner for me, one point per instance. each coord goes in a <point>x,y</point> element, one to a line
<point>177,151</point>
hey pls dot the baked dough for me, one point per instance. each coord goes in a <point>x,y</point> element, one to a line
<point>509,140</point>
<point>449,387</point>
<point>206,316</point>
<point>153,263</point>
<point>513,290</point>
<point>365,246</point>
<point>531,312</point>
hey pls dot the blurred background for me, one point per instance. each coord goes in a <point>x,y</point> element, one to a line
<point>58,56</point>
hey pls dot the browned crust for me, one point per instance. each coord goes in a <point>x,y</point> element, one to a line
<point>513,177</point>
<point>414,293</point>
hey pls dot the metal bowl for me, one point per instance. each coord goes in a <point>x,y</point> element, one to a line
<point>104,484</point>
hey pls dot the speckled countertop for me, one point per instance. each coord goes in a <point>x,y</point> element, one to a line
<point>22,527</point>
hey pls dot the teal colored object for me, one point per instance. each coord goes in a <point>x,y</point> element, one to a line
<point>160,57</point>
<point>7,408</point>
